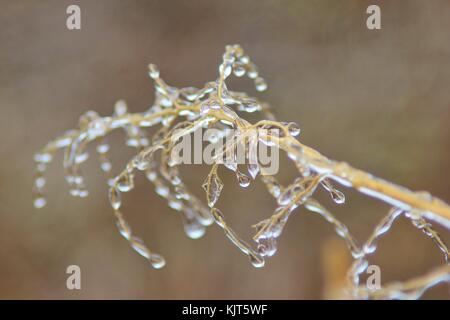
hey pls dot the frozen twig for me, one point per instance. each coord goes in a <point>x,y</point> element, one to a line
<point>181,112</point>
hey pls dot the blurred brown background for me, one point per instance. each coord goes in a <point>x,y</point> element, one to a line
<point>377,99</point>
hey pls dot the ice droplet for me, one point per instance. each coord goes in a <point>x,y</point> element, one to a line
<point>175,204</point>
<point>239,70</point>
<point>194,230</point>
<point>260,84</point>
<point>250,106</point>
<point>294,129</point>
<point>153,71</point>
<point>162,190</point>
<point>267,247</point>
<point>337,196</point>
<point>125,182</point>
<point>39,202</point>
<point>80,158</point>
<point>256,261</point>
<point>106,166</point>
<point>213,187</point>
<point>243,180</point>
<point>252,73</point>
<point>120,108</point>
<point>43,157</point>
<point>39,182</point>
<point>114,198</point>
<point>103,148</point>
<point>157,261</point>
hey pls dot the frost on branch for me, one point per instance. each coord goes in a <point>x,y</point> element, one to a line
<point>178,112</point>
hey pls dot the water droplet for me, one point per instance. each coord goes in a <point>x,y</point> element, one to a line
<point>103,148</point>
<point>141,162</point>
<point>194,230</point>
<point>153,71</point>
<point>80,158</point>
<point>166,102</point>
<point>106,166</point>
<point>39,202</point>
<point>97,128</point>
<point>243,180</point>
<point>213,187</point>
<point>77,179</point>
<point>244,59</point>
<point>43,157</point>
<point>239,70</point>
<point>252,72</point>
<point>337,196</point>
<point>181,193</point>
<point>74,192</point>
<point>132,142</point>
<point>39,182</point>
<point>124,182</point>
<point>256,261</point>
<point>115,198</point>
<point>162,190</point>
<point>151,175</point>
<point>83,192</point>
<point>157,261</point>
<point>260,84</point>
<point>120,108</point>
<point>294,129</point>
<point>204,216</point>
<point>250,106</point>
<point>175,204</point>
<point>267,247</point>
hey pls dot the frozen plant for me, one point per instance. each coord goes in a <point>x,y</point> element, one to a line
<point>180,112</point>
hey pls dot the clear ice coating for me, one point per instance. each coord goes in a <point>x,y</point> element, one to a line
<point>217,106</point>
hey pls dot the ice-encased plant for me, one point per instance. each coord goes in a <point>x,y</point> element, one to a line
<point>180,112</point>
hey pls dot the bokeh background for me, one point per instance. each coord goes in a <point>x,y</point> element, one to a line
<point>377,99</point>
